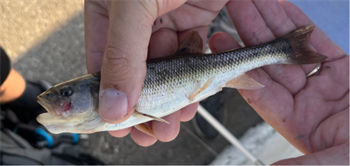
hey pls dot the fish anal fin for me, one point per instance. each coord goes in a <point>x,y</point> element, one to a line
<point>201,89</point>
<point>152,117</point>
<point>192,44</point>
<point>145,129</point>
<point>244,82</point>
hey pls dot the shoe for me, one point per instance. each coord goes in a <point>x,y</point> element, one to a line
<point>215,106</point>
<point>25,107</point>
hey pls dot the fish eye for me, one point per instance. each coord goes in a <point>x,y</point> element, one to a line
<point>66,91</point>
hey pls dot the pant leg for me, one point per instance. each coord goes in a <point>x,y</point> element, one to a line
<point>5,65</point>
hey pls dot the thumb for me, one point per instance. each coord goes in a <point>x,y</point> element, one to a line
<point>124,61</point>
<point>123,65</point>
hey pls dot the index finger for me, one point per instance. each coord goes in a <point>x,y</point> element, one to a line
<point>96,30</point>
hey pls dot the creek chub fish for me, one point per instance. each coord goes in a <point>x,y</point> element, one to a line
<point>172,83</point>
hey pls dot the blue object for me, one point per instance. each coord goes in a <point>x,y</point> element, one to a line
<point>75,138</point>
<point>331,16</point>
<point>46,136</point>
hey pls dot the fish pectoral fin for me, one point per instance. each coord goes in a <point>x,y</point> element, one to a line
<point>192,44</point>
<point>244,82</point>
<point>145,129</point>
<point>152,117</point>
<point>201,89</point>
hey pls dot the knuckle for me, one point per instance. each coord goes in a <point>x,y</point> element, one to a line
<point>116,63</point>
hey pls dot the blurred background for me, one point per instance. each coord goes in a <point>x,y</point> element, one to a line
<point>45,41</point>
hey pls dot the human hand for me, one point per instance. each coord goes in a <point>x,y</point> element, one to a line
<point>120,34</point>
<point>311,113</point>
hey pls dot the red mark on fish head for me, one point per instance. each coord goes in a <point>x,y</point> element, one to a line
<point>63,107</point>
<point>66,106</point>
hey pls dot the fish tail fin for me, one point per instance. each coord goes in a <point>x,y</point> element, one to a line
<point>302,54</point>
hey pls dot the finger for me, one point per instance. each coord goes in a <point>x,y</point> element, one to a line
<point>123,67</point>
<point>96,28</point>
<point>254,30</point>
<point>249,23</point>
<point>141,138</point>
<point>167,132</point>
<point>120,133</point>
<point>338,155</point>
<point>275,17</point>
<point>222,41</point>
<point>209,5</point>
<point>164,42</point>
<point>319,40</point>
<point>188,112</point>
<point>187,15</point>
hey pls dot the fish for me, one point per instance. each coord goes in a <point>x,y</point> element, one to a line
<point>172,82</point>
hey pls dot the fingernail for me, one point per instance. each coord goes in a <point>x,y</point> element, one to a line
<point>113,104</point>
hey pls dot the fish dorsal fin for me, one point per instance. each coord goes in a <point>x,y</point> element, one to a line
<point>244,82</point>
<point>192,44</point>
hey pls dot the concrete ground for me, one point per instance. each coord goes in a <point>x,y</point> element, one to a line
<point>45,41</point>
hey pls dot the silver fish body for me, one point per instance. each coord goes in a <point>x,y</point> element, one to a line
<point>174,82</point>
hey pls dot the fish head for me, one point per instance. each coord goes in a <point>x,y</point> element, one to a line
<point>67,99</point>
<point>71,106</point>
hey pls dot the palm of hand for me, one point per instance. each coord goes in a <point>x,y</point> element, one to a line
<point>311,113</point>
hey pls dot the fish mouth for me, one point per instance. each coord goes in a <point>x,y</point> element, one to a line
<point>42,102</point>
<point>64,109</point>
